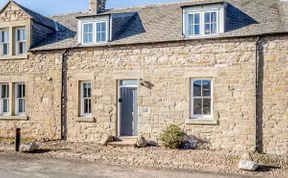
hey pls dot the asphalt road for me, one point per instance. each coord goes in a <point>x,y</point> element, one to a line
<point>19,166</point>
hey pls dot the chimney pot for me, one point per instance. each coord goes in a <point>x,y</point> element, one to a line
<point>97,6</point>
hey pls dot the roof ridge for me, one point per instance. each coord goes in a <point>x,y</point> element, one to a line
<point>153,5</point>
<point>68,13</point>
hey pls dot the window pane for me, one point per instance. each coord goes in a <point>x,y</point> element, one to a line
<point>21,106</point>
<point>84,90</point>
<point>22,47</point>
<point>5,49</point>
<point>5,91</point>
<point>128,82</point>
<point>86,105</point>
<point>88,28</point>
<point>88,33</point>
<point>207,17</point>
<point>206,106</point>
<point>103,26</point>
<point>18,35</point>
<point>197,88</point>
<point>207,29</point>
<point>213,17</point>
<point>23,90</point>
<point>103,36</point>
<point>98,37</point>
<point>4,36</point>
<point>194,24</point>
<point>197,29</point>
<point>19,91</point>
<point>89,106</point>
<point>5,105</point>
<point>206,85</point>
<point>214,28</point>
<point>88,89</point>
<point>101,32</point>
<point>190,24</point>
<point>197,110</point>
<point>196,18</point>
<point>88,38</point>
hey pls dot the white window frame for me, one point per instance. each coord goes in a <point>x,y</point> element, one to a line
<point>82,99</point>
<point>94,20</point>
<point>193,24</point>
<point>4,42</point>
<point>106,31</point>
<point>2,100</point>
<point>93,32</point>
<point>20,41</point>
<point>220,19</point>
<point>217,23</point>
<point>17,112</point>
<point>197,116</point>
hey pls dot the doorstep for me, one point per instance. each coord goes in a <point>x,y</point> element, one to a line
<point>123,142</point>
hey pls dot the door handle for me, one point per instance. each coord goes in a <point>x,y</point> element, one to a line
<point>120,100</point>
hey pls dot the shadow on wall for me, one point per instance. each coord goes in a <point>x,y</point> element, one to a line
<point>236,19</point>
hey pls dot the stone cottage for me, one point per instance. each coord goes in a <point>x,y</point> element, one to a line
<point>217,69</point>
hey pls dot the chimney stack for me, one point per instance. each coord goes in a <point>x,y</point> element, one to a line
<point>97,6</point>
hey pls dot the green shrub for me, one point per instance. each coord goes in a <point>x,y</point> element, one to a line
<point>172,137</point>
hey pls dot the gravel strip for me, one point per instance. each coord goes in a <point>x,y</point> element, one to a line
<point>158,157</point>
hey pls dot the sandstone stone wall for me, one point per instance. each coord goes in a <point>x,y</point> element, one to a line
<point>275,95</point>
<point>42,96</point>
<point>169,67</point>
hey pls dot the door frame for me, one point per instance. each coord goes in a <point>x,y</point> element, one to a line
<point>119,107</point>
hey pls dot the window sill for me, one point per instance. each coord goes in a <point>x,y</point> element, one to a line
<point>193,121</point>
<point>196,37</point>
<point>85,119</point>
<point>14,57</point>
<point>93,44</point>
<point>13,117</point>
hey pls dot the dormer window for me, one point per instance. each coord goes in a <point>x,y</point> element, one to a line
<point>93,30</point>
<point>4,42</point>
<point>101,32</point>
<point>20,41</point>
<point>87,33</point>
<point>203,20</point>
<point>210,23</point>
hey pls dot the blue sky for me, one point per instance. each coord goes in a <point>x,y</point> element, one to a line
<point>50,7</point>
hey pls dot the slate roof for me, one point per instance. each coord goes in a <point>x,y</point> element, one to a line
<point>163,23</point>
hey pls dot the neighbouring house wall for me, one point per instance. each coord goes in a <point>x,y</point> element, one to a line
<point>275,95</point>
<point>169,67</point>
<point>42,95</point>
<point>12,13</point>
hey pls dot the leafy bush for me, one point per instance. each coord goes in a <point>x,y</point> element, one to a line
<point>172,137</point>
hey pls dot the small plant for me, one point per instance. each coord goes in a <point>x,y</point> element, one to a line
<point>172,137</point>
